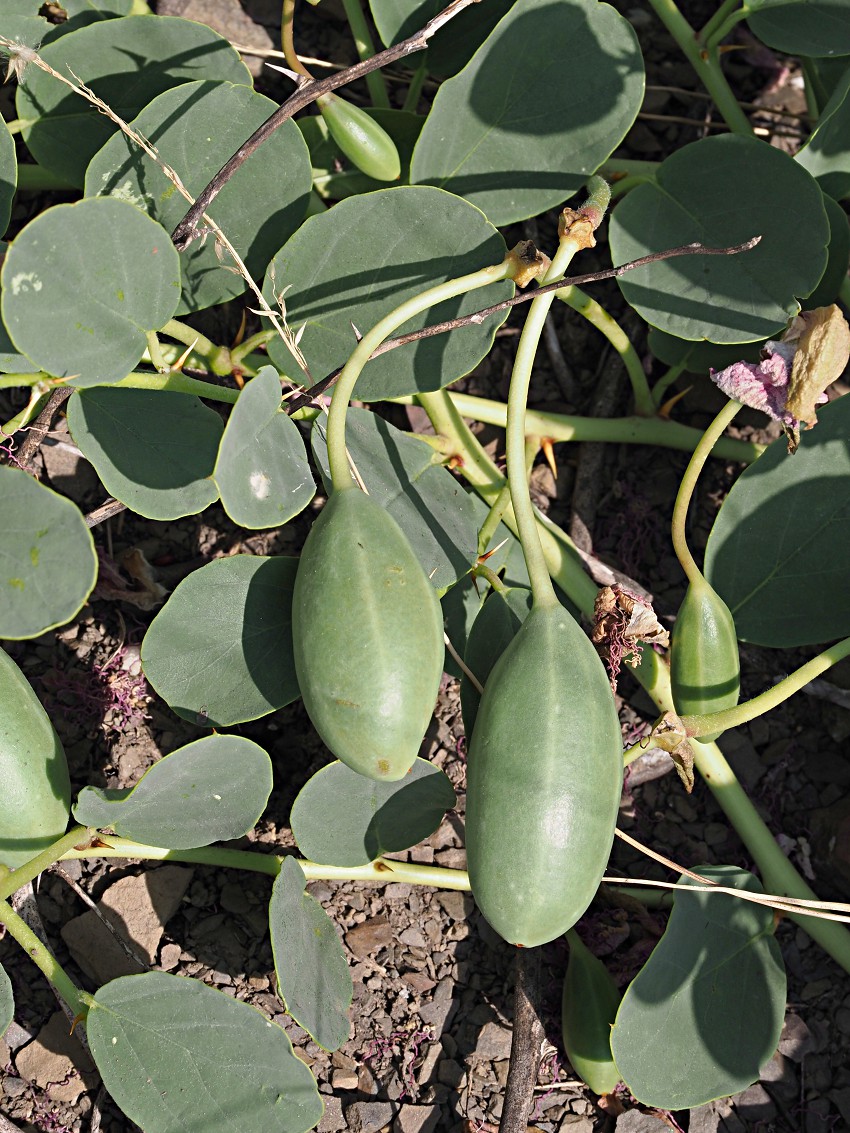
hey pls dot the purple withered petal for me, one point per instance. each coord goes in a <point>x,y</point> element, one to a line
<point>761,385</point>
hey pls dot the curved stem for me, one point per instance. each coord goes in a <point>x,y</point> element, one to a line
<point>217,357</point>
<point>764,702</point>
<point>287,41</point>
<point>665,381</point>
<point>625,184</point>
<point>41,955</point>
<point>711,42</point>
<point>717,19</point>
<point>155,353</point>
<point>375,80</point>
<point>179,383</point>
<point>616,167</point>
<point>686,488</point>
<point>597,315</point>
<point>337,459</point>
<point>494,518</point>
<point>618,430</point>
<point>707,68</point>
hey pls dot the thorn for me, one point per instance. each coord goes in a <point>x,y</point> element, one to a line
<point>665,409</point>
<point>358,336</point>
<point>240,334</point>
<point>488,554</point>
<point>181,361</point>
<point>299,80</point>
<point>549,454</point>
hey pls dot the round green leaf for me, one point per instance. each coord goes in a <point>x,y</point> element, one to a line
<point>827,290</point>
<point>802,27</point>
<point>220,650</point>
<point>826,155</point>
<point>127,63</point>
<point>312,970</point>
<point>212,790</point>
<point>361,259</point>
<point>153,450</point>
<point>8,175</point>
<point>538,108</point>
<point>262,470</point>
<point>48,564</point>
<point>722,191</point>
<point>180,1057</point>
<point>22,23</point>
<point>706,1010</point>
<point>453,45</point>
<point>407,477</point>
<point>7,1002</point>
<point>344,819</point>
<point>82,286</point>
<point>779,548</point>
<point>257,208</point>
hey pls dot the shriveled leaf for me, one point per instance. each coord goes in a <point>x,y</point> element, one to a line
<point>312,970</point>
<point>538,108</point>
<point>407,476</point>
<point>127,63</point>
<point>153,450</point>
<point>262,470</point>
<point>779,548</point>
<point>706,1010</point>
<point>257,208</point>
<point>724,299</point>
<point>342,818</point>
<point>212,790</point>
<point>48,564</point>
<point>83,283</point>
<point>179,1057</point>
<point>336,270</point>
<point>220,650</point>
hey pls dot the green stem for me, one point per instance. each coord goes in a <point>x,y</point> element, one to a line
<point>481,570</point>
<point>337,458</point>
<point>616,167</point>
<point>217,357</point>
<point>707,68</point>
<point>686,488</point>
<point>411,99</point>
<point>750,709</point>
<point>37,179</point>
<point>382,870</point>
<point>155,353</point>
<point>665,381</point>
<point>261,338</point>
<point>717,20</point>
<point>597,316</point>
<point>494,518</point>
<point>287,42</point>
<point>31,869</point>
<point>624,185</point>
<point>713,41</point>
<point>41,955</point>
<point>15,381</point>
<point>179,383</point>
<point>375,80</point>
<point>618,430</point>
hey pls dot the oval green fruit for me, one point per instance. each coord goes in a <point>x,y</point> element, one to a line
<point>360,138</point>
<point>367,634</point>
<point>544,777</point>
<point>704,662</point>
<point>588,1010</point>
<point>35,798</point>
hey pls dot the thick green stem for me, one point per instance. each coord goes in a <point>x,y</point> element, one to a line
<point>686,488</point>
<point>494,518</point>
<point>217,357</point>
<point>618,430</point>
<point>41,955</point>
<point>596,315</point>
<point>624,185</point>
<point>712,42</point>
<point>31,869</point>
<point>375,80</point>
<point>337,458</point>
<point>155,353</point>
<point>179,383</point>
<point>771,698</point>
<point>707,67</point>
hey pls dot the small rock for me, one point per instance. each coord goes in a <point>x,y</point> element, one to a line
<point>419,981</point>
<point>413,937</point>
<point>633,1121</point>
<point>13,1087</point>
<point>782,1076</point>
<point>57,1063</point>
<point>755,1106</point>
<point>705,1119</point>
<point>369,938</point>
<point>397,891</point>
<point>494,1043</point>
<point>233,898</point>
<point>429,1064</point>
<point>344,1080</point>
<point>575,1124</point>
<point>417,1119</point>
<point>169,956</point>
<point>797,1040</point>
<point>452,1074</point>
<point>456,905</point>
<point>370,1117</point>
<point>332,1119</point>
<point>841,1100</point>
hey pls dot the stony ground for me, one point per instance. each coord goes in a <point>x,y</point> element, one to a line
<point>430,1031</point>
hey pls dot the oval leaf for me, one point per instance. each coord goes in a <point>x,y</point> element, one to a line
<point>408,478</point>
<point>83,283</point>
<point>777,554</point>
<point>312,970</point>
<point>335,271</point>
<point>737,298</point>
<point>179,1057</point>
<point>802,27</point>
<point>7,1002</point>
<point>257,208</point>
<point>220,650</point>
<point>519,130</point>
<point>212,790</point>
<point>127,63</point>
<point>48,564</point>
<point>342,818</point>
<point>706,1010</point>
<point>262,470</point>
<point>8,175</point>
<point>153,450</point>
